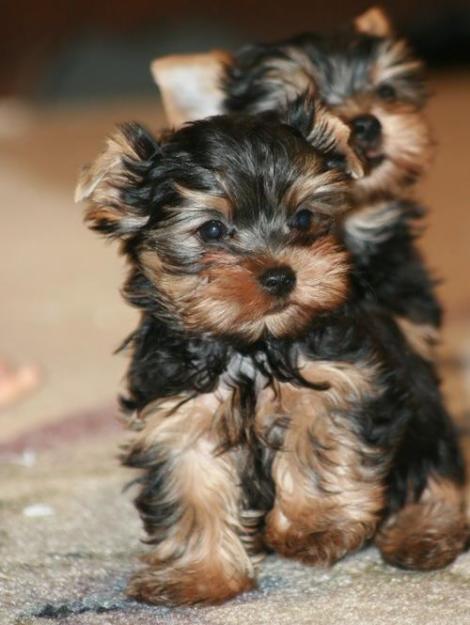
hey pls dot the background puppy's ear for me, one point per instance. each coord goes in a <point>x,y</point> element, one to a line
<point>326,132</point>
<point>335,135</point>
<point>374,22</point>
<point>190,84</point>
<point>114,182</point>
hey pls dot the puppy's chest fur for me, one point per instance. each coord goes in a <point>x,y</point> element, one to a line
<point>262,397</point>
<point>253,393</point>
<point>304,431</point>
<point>269,406</point>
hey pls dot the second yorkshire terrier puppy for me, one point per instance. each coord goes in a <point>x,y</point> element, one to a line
<point>370,78</point>
<point>363,73</point>
<point>271,401</point>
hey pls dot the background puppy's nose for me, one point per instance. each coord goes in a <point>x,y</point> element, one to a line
<point>278,280</point>
<point>366,128</point>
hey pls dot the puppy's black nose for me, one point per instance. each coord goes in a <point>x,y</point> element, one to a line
<point>366,128</point>
<point>278,280</point>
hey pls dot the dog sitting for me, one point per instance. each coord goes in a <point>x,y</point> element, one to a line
<point>371,80</point>
<point>272,403</point>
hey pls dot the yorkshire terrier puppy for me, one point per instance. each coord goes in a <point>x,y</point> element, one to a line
<point>371,80</point>
<point>274,405</point>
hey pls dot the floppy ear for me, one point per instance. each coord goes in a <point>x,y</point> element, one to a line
<point>332,135</point>
<point>114,183</point>
<point>190,84</point>
<point>326,132</point>
<point>374,22</point>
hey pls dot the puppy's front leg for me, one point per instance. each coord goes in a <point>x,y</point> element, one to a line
<point>190,505</point>
<point>328,482</point>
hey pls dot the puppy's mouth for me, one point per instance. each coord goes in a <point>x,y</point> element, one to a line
<point>374,160</point>
<point>373,155</point>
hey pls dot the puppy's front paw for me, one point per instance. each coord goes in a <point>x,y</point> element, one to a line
<point>196,584</point>
<point>320,545</point>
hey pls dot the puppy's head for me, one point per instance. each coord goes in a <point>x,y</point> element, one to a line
<point>229,222</point>
<point>364,74</point>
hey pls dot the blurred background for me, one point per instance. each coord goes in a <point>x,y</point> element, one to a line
<point>84,49</point>
<point>68,72</point>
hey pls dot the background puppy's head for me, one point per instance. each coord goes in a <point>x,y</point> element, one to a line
<point>229,223</point>
<point>364,74</point>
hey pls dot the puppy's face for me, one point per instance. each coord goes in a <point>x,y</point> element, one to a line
<point>230,220</point>
<point>364,75</point>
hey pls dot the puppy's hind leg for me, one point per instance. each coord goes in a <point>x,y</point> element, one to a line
<point>429,533</point>
<point>426,527</point>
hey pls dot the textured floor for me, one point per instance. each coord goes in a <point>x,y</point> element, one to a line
<point>72,539</point>
<point>69,535</point>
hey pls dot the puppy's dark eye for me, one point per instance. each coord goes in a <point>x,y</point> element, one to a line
<point>386,92</point>
<point>302,219</point>
<point>212,230</point>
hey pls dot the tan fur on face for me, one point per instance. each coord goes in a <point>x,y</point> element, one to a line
<point>174,289</point>
<point>200,200</point>
<point>325,192</point>
<point>329,488</point>
<point>201,557</point>
<point>227,298</point>
<point>428,534</point>
<point>407,144</point>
